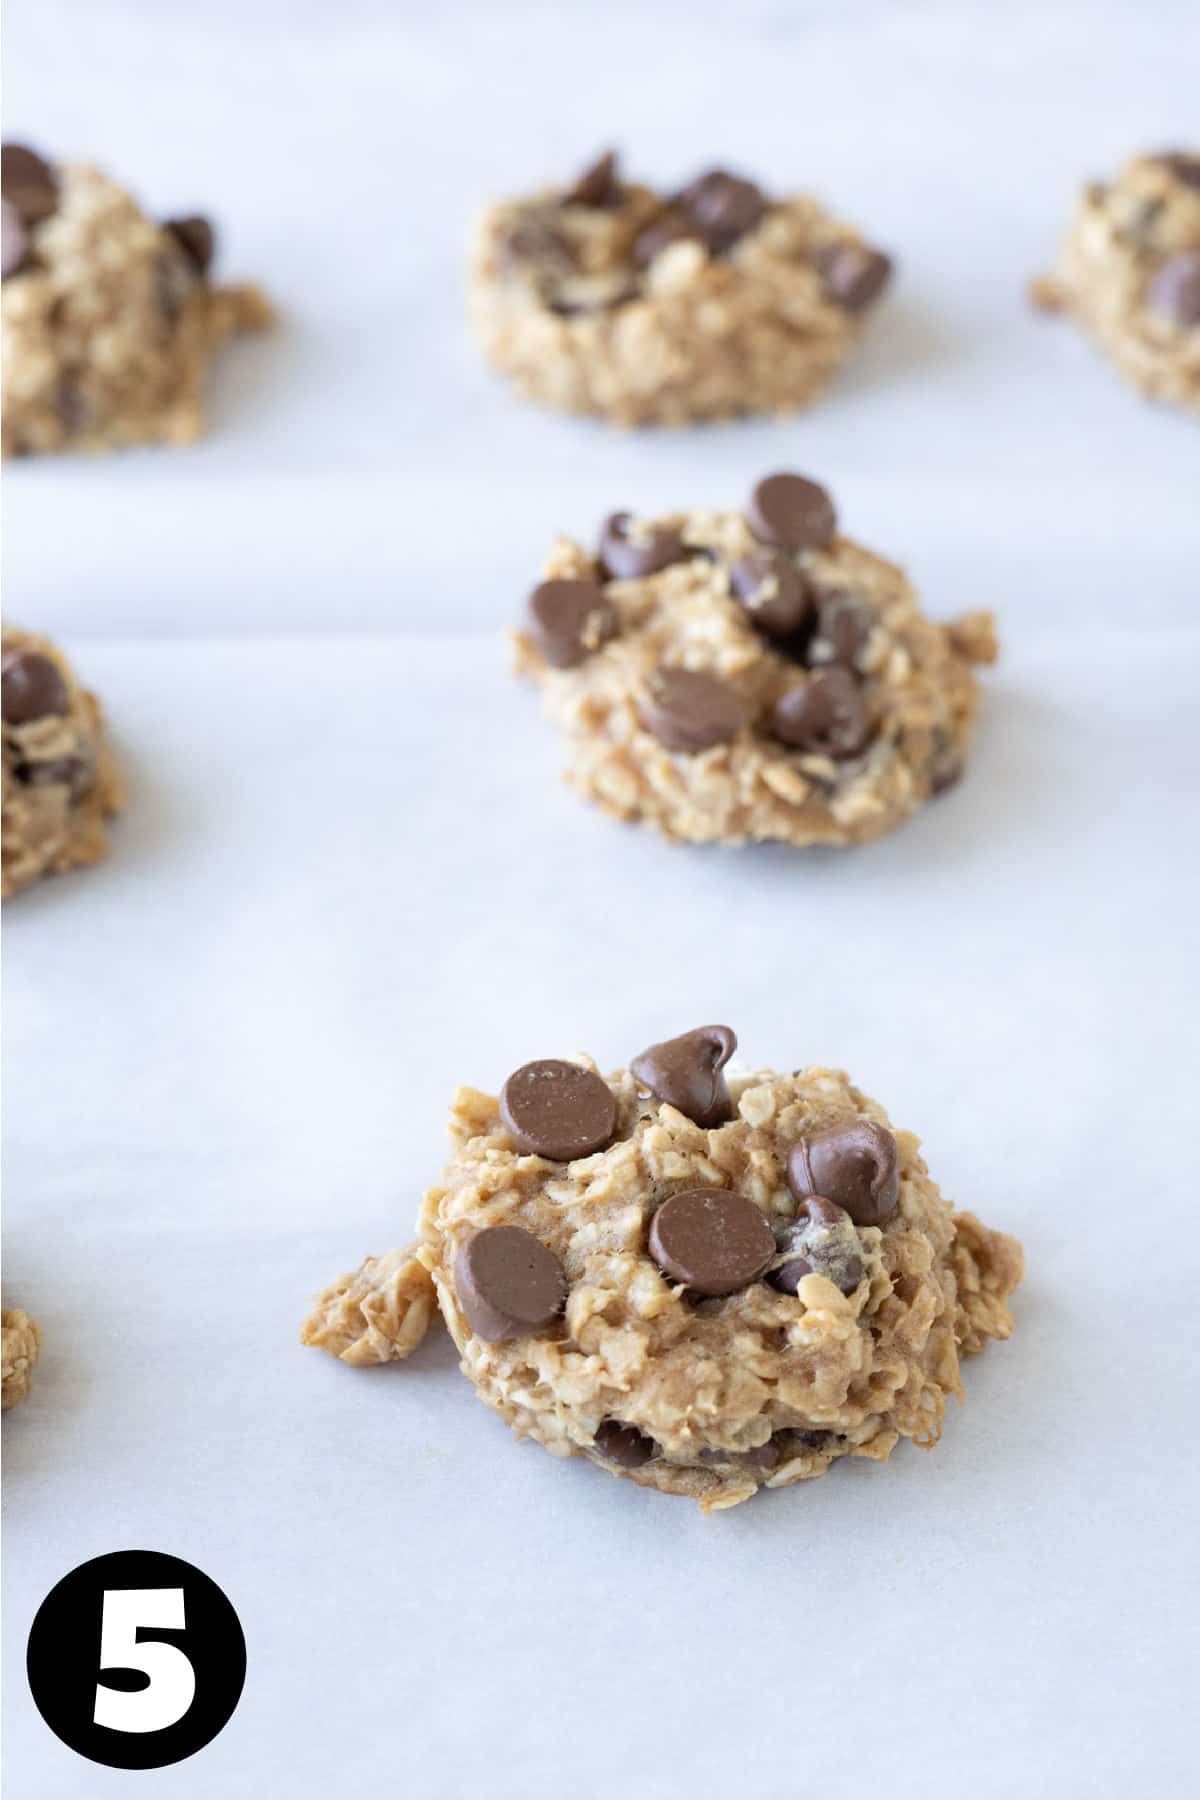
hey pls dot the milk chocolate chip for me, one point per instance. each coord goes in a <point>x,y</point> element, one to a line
<point>793,512</point>
<point>711,1240</point>
<point>686,1072</point>
<point>508,1284</point>
<point>567,620</point>
<point>196,239</point>
<point>773,592</point>
<point>32,687</point>
<point>853,275</point>
<point>624,1444</point>
<point>690,710</point>
<point>558,1110</point>
<point>1175,290</point>
<point>854,1165</point>
<point>821,1241</point>
<point>28,183</point>
<point>671,226</point>
<point>14,242</point>
<point>826,715</point>
<point>630,549</point>
<point>598,185</point>
<point>722,208</point>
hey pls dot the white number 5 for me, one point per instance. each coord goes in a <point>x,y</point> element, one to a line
<point>172,1679</point>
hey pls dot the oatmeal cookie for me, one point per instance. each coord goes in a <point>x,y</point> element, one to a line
<point>1129,273</point>
<point>109,318</point>
<point>729,676</point>
<point>605,297</point>
<point>20,1347</point>
<point>705,1281</point>
<point>60,776</point>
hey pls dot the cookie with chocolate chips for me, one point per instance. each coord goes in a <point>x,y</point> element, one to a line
<point>706,1280</point>
<point>61,782</point>
<point>604,296</point>
<point>1128,272</point>
<point>737,676</point>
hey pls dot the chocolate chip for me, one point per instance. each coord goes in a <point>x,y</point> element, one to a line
<point>826,715</point>
<point>1183,165</point>
<point>671,226</point>
<point>28,183</point>
<point>853,274</point>
<point>854,1165</point>
<point>711,1240</point>
<point>558,1110</point>
<point>686,1072</point>
<point>1175,290</point>
<point>567,620</point>
<point>508,1284</point>
<point>723,208</point>
<point>773,591</point>
<point>821,1241</point>
<point>687,709</point>
<point>532,239</point>
<point>76,773</point>
<point>194,235</point>
<point>630,549</point>
<point>842,632</point>
<point>598,185</point>
<point>792,511</point>
<point>32,686</point>
<point>15,241</point>
<point>624,1444</point>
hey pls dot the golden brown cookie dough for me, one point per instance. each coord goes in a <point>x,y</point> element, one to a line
<point>741,1277</point>
<point>109,318</point>
<point>61,780</point>
<point>730,676</point>
<point>20,1347</point>
<point>1129,273</point>
<point>605,297</point>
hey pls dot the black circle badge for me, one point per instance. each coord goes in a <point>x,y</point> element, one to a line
<point>136,1660</point>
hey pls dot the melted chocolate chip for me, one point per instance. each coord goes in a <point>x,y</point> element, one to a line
<point>842,631</point>
<point>825,716</point>
<point>687,1073</point>
<point>722,208</point>
<point>28,183</point>
<point>630,550</point>
<point>14,241</point>
<point>624,1445</point>
<point>690,710</point>
<point>558,1110</point>
<point>711,1240</point>
<point>671,226</point>
<point>773,591</point>
<point>598,185</point>
<point>821,1241</point>
<point>793,512</point>
<point>568,620</point>
<point>1175,291</point>
<point>33,687</point>
<point>853,275</point>
<point>195,237</point>
<point>853,1165</point>
<point>508,1284</point>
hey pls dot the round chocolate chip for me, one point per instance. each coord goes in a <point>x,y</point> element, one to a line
<point>624,1444</point>
<point>792,511</point>
<point>821,1241</point>
<point>826,715</point>
<point>1175,290</point>
<point>672,226</point>
<point>630,549</point>
<point>598,185</point>
<point>508,1284</point>
<point>687,709</point>
<point>854,1165</point>
<point>33,687</point>
<point>1183,165</point>
<point>558,1110</point>
<point>722,208</point>
<point>853,275</point>
<point>686,1072</point>
<point>567,620</point>
<point>711,1240</point>
<point>773,591</point>
<point>194,235</point>
<point>15,240</point>
<point>842,631</point>
<point>27,182</point>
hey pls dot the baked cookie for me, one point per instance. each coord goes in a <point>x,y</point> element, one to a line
<point>704,1281</point>
<point>20,1347</point>
<point>109,318</point>
<point>663,309</point>
<point>1129,273</point>
<point>60,776</point>
<point>729,676</point>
